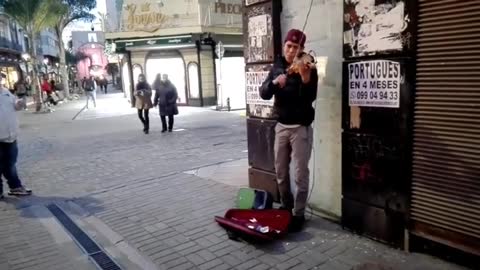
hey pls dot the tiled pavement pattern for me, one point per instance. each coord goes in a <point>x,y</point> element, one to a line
<point>136,186</point>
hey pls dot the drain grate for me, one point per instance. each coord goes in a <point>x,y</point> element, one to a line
<point>105,262</point>
<point>93,250</point>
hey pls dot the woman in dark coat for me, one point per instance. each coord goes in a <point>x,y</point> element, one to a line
<point>143,101</point>
<point>166,98</point>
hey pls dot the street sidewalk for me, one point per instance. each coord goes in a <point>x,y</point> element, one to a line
<point>150,200</point>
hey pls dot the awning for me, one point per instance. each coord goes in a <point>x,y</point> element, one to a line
<point>169,42</point>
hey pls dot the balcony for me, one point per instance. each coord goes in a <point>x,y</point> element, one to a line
<point>6,44</point>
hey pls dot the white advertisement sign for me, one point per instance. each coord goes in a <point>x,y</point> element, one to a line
<point>374,84</point>
<point>253,82</point>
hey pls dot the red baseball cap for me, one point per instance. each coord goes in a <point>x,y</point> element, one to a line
<point>296,36</point>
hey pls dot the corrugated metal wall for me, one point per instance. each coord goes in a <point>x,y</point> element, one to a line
<point>445,203</point>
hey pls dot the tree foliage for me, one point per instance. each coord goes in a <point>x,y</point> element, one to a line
<point>32,15</point>
<point>75,58</point>
<point>76,10</point>
<point>70,11</point>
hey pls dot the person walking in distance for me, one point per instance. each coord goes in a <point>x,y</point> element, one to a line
<point>143,101</point>
<point>166,98</point>
<point>21,91</point>
<point>294,94</point>
<point>90,87</point>
<point>8,141</point>
<point>103,84</point>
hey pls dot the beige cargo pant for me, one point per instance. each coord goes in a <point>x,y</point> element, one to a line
<point>293,144</point>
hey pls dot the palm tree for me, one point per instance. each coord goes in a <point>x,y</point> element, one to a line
<point>33,16</point>
<point>69,11</point>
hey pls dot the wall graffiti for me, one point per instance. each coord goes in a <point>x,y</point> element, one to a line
<point>376,27</point>
<point>371,158</point>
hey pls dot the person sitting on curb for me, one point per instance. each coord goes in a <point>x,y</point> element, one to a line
<point>9,104</point>
<point>47,89</point>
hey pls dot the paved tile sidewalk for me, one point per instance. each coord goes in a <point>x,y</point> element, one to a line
<point>136,186</point>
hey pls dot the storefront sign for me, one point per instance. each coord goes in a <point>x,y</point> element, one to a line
<point>122,45</point>
<point>374,84</point>
<point>253,82</point>
<point>251,2</point>
<point>143,17</point>
<point>227,8</point>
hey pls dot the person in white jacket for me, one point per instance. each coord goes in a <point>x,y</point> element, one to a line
<point>9,104</point>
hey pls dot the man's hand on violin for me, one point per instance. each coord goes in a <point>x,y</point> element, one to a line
<point>280,81</point>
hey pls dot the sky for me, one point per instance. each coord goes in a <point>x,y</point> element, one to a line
<point>85,26</point>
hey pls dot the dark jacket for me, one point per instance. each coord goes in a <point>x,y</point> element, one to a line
<point>293,103</point>
<point>166,98</point>
<point>89,85</point>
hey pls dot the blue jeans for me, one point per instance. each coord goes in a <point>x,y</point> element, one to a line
<point>8,160</point>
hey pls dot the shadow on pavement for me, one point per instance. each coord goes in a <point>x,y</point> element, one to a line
<point>22,204</point>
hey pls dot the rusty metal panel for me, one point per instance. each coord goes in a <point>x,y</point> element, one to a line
<point>261,37</point>
<point>264,180</point>
<point>374,222</point>
<point>261,138</point>
<point>375,170</point>
<point>445,199</point>
<point>254,77</point>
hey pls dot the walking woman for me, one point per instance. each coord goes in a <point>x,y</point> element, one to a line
<point>166,98</point>
<point>143,101</point>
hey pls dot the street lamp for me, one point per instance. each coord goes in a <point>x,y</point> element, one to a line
<point>57,77</point>
<point>220,51</point>
<point>26,57</point>
<point>45,62</point>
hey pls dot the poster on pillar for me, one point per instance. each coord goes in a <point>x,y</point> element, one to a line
<point>377,95</point>
<point>261,37</point>
<point>374,84</point>
<point>378,27</point>
<point>255,75</point>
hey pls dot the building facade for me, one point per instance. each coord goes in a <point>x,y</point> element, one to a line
<point>91,45</point>
<point>107,16</point>
<point>48,52</point>
<point>11,49</point>
<point>395,131</point>
<point>179,38</point>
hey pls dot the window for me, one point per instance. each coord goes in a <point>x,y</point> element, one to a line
<point>4,31</point>
<point>92,37</point>
<point>193,81</point>
<point>13,33</point>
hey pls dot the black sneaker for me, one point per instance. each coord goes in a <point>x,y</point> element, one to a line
<point>296,224</point>
<point>21,191</point>
<point>2,197</point>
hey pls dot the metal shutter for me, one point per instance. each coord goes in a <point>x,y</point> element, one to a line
<point>445,202</point>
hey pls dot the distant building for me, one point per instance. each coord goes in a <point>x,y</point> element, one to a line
<point>107,17</point>
<point>48,52</point>
<point>11,49</point>
<point>179,38</point>
<point>92,46</point>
